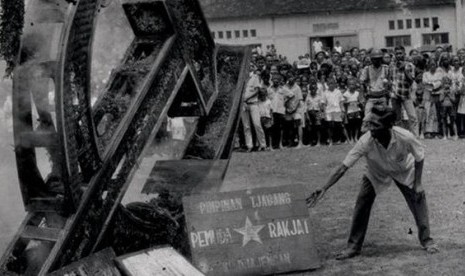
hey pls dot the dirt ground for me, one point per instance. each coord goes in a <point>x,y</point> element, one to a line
<point>391,245</point>
<point>389,248</point>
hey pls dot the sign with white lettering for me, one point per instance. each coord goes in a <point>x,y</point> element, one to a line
<point>251,232</point>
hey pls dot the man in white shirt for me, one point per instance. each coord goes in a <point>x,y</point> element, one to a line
<point>251,112</point>
<point>338,47</point>
<point>392,154</point>
<point>317,45</point>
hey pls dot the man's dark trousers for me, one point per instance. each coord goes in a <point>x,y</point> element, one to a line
<point>366,197</point>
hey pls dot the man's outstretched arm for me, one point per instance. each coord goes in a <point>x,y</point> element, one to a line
<point>335,176</point>
<point>316,196</point>
<point>360,149</point>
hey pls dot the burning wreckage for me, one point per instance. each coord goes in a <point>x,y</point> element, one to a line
<point>78,204</point>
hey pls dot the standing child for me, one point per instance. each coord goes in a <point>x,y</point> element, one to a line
<point>334,105</point>
<point>447,100</point>
<point>353,110</point>
<point>314,105</point>
<point>264,108</point>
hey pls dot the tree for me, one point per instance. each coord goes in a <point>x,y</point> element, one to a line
<point>11,29</point>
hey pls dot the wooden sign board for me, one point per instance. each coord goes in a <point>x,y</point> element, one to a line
<point>98,264</point>
<point>159,261</point>
<point>251,232</point>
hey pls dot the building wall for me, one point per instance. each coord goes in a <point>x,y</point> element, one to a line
<point>291,34</point>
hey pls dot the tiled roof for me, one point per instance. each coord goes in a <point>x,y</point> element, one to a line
<point>259,8</point>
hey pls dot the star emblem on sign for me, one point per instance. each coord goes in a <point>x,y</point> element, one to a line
<point>249,232</point>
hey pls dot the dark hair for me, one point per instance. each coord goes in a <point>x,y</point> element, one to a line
<point>262,58</point>
<point>413,50</point>
<point>400,47</point>
<point>353,49</point>
<point>387,116</point>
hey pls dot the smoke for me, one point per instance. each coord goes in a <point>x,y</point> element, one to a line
<point>404,7</point>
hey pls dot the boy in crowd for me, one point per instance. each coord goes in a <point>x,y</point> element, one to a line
<point>353,110</point>
<point>293,118</point>
<point>314,105</point>
<point>334,105</point>
<point>278,96</point>
<point>447,99</point>
<point>264,108</point>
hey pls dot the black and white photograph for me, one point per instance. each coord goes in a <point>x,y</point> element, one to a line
<point>232,137</point>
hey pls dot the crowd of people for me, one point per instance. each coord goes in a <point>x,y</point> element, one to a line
<point>324,100</point>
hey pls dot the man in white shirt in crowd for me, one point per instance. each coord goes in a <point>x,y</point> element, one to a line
<point>251,112</point>
<point>317,45</point>
<point>338,47</point>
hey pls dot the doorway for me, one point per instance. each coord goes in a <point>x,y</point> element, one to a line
<point>346,41</point>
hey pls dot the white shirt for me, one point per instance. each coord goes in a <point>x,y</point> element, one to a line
<point>297,92</point>
<point>317,46</point>
<point>313,103</point>
<point>278,97</point>
<point>332,100</point>
<point>352,99</point>
<point>321,88</point>
<point>396,162</point>
<point>253,82</point>
<point>264,108</point>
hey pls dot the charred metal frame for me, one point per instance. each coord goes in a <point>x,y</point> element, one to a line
<point>86,163</point>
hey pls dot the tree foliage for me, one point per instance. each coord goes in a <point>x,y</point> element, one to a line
<point>11,28</point>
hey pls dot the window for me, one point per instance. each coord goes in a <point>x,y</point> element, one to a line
<point>253,33</point>
<point>392,25</point>
<point>237,34</point>
<point>400,24</point>
<point>228,34</point>
<point>408,23</point>
<point>213,35</point>
<point>401,40</point>
<point>435,23</point>
<point>245,33</point>
<point>426,22</point>
<point>417,23</point>
<point>220,35</point>
<point>434,39</point>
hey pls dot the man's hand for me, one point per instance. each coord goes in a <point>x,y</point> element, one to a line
<point>315,197</point>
